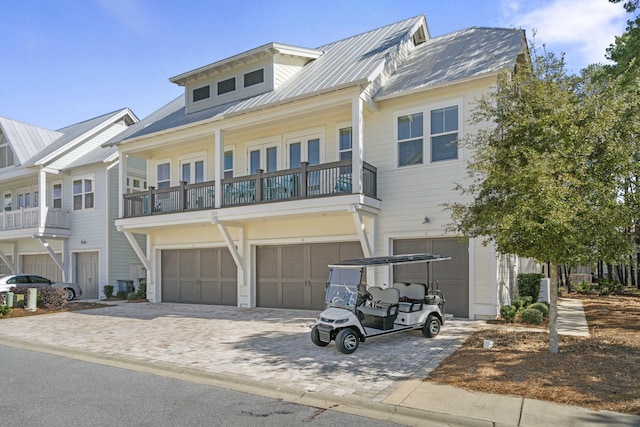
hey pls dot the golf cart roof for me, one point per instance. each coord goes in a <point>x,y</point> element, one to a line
<point>387,260</point>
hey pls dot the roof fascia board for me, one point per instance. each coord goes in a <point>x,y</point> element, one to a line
<point>73,143</point>
<point>437,86</point>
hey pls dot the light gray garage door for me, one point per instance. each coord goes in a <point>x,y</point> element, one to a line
<point>295,276</point>
<point>199,276</point>
<point>41,265</point>
<point>87,273</point>
<point>452,276</point>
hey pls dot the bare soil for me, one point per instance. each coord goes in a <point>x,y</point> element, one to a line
<point>600,372</point>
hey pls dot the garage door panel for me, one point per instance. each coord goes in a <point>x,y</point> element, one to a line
<point>452,276</point>
<point>269,294</point>
<point>293,265</point>
<point>195,276</point>
<point>292,294</point>
<point>42,265</point>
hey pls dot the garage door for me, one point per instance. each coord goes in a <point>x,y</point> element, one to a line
<point>41,265</point>
<point>199,276</point>
<point>452,276</point>
<point>295,276</point>
<point>87,273</point>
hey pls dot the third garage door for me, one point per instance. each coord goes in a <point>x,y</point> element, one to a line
<point>295,276</point>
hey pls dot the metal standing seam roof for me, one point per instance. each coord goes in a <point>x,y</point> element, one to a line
<point>351,61</point>
<point>460,55</point>
<point>26,140</point>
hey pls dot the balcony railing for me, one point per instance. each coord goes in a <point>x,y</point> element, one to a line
<point>325,180</point>
<point>30,217</point>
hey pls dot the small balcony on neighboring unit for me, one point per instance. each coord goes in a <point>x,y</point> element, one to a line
<point>305,182</point>
<point>30,218</point>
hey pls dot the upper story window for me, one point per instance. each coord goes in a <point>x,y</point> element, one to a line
<point>410,132</point>
<point>254,77</point>
<point>192,171</point>
<point>226,86</point>
<point>6,154</point>
<point>442,127</point>
<point>228,164</point>
<point>8,199</point>
<point>83,194</point>
<point>444,133</point>
<point>201,93</point>
<point>345,143</point>
<point>56,195</point>
<point>136,184</point>
<point>163,177</point>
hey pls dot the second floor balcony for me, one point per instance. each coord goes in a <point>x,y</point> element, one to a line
<point>26,218</point>
<point>324,180</point>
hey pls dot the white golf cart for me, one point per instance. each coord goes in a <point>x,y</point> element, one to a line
<point>355,311</point>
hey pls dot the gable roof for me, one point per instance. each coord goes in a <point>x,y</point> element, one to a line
<point>26,140</point>
<point>349,62</point>
<point>456,56</point>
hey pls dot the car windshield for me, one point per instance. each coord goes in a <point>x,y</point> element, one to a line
<point>342,290</point>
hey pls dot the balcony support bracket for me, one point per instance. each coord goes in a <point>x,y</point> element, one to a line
<point>138,250</point>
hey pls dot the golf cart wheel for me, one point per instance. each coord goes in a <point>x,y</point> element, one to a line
<point>347,341</point>
<point>431,328</point>
<point>315,338</point>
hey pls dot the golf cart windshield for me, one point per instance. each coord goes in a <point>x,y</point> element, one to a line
<point>342,290</point>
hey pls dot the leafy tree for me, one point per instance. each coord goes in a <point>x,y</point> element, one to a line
<point>543,181</point>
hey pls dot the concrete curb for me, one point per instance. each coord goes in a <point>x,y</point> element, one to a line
<point>388,412</point>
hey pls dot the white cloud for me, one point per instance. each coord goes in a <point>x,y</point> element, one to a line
<point>582,29</point>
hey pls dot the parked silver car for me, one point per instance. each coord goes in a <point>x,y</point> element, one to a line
<point>32,281</point>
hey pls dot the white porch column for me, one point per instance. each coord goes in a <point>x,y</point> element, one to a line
<point>218,173</point>
<point>44,205</point>
<point>122,181</point>
<point>357,147</point>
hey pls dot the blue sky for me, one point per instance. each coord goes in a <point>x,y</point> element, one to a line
<point>65,61</point>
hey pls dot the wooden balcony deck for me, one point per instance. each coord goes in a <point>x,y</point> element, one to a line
<point>325,180</point>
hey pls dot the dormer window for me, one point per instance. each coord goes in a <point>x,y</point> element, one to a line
<point>226,86</point>
<point>254,77</point>
<point>201,93</point>
<point>6,154</point>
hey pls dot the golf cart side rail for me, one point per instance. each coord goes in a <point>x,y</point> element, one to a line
<point>391,259</point>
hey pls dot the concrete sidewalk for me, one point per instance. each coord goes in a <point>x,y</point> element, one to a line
<point>268,352</point>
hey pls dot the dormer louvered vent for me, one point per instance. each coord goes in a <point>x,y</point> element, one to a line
<point>254,77</point>
<point>419,37</point>
<point>201,93</point>
<point>226,86</point>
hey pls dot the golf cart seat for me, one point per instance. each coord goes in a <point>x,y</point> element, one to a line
<point>411,296</point>
<point>383,307</point>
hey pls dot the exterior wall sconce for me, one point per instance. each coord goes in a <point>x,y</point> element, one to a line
<point>426,220</point>
<point>83,242</point>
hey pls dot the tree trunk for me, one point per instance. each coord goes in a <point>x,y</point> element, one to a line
<point>610,272</point>
<point>632,274</point>
<point>553,315</point>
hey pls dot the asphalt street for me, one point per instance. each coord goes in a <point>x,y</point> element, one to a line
<point>40,389</point>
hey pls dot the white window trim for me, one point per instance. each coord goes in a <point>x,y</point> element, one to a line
<point>53,184</point>
<point>92,178</point>
<point>231,148</point>
<point>155,171</point>
<point>339,127</point>
<point>264,78</point>
<point>426,132</point>
<point>305,135</point>
<point>262,144</point>
<point>4,198</point>
<point>192,158</point>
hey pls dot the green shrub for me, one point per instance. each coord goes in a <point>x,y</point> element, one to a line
<point>607,287</point>
<point>108,291</point>
<point>529,285</point>
<point>541,307</point>
<point>121,295</point>
<point>132,296</point>
<point>531,315</point>
<point>52,298</point>
<point>584,287</point>
<point>508,313</point>
<point>517,304</point>
<point>142,289</point>
<point>5,310</point>
<point>525,301</point>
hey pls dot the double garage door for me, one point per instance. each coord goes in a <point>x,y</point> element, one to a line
<point>295,276</point>
<point>199,276</point>
<point>452,276</point>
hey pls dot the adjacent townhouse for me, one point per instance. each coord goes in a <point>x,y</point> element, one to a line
<point>60,192</point>
<point>281,160</point>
